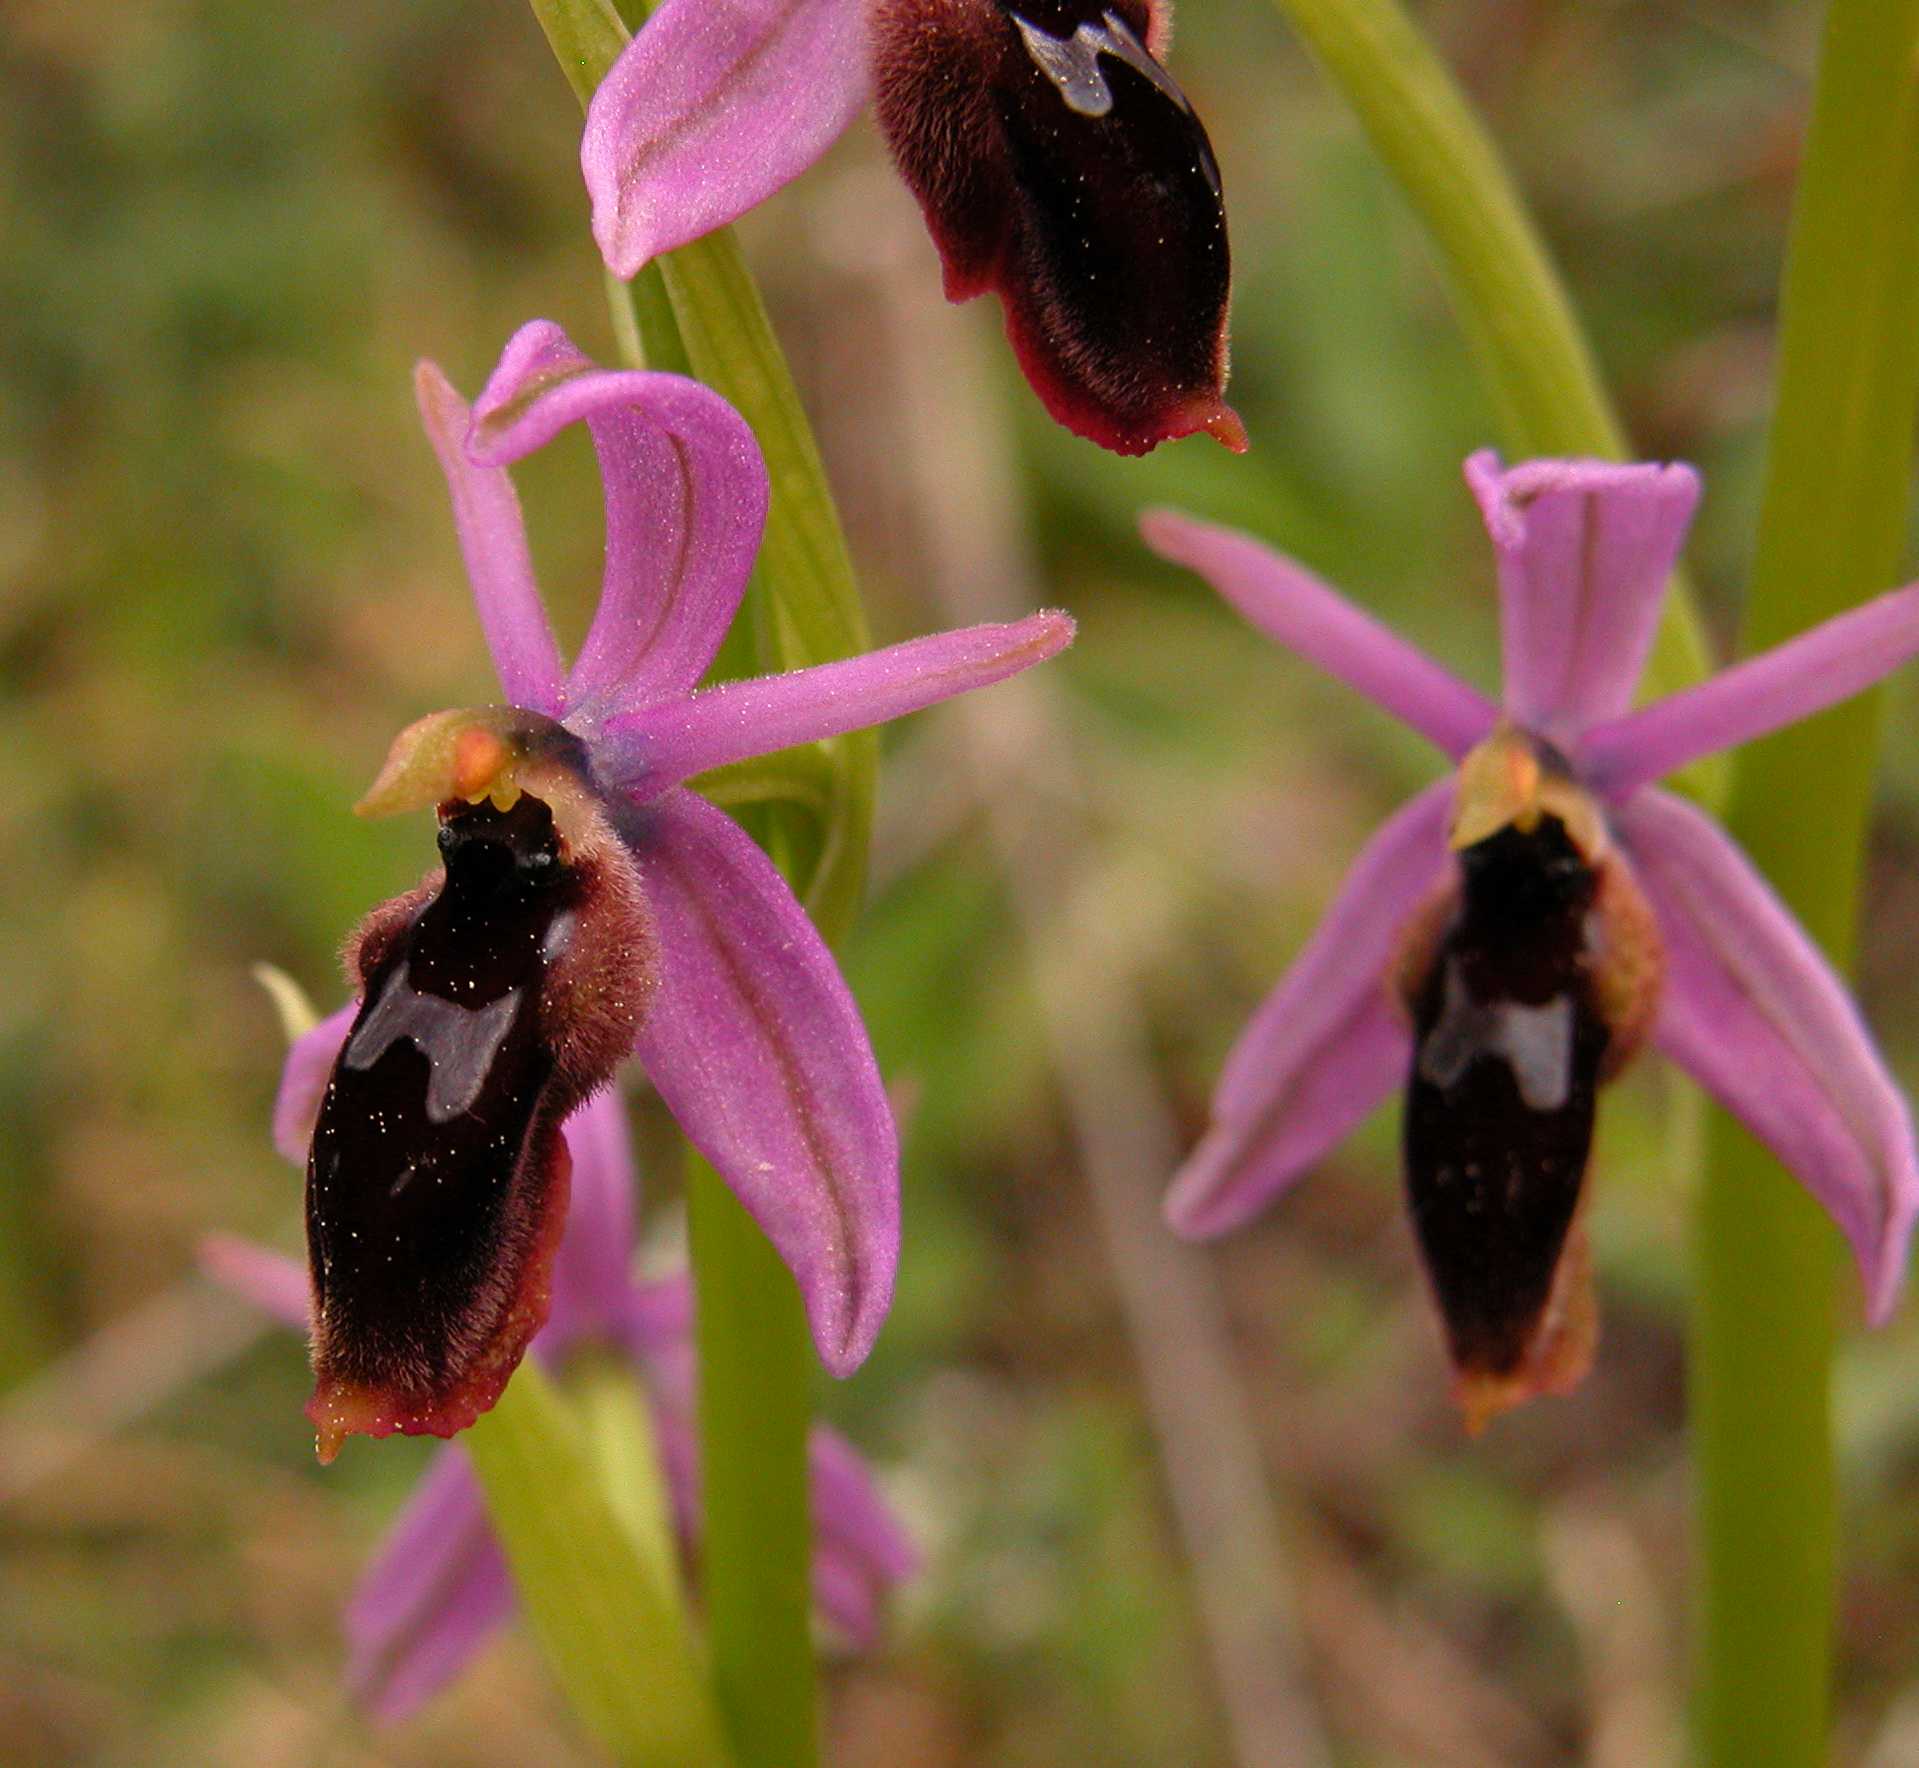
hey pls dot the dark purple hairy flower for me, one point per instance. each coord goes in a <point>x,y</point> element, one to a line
<point>591,906</point>
<point>1509,938</point>
<point>1057,162</point>
<point>494,999</point>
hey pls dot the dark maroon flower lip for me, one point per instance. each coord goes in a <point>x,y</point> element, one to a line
<point>437,1587</point>
<point>1509,1038</point>
<point>1059,165</point>
<point>594,908</point>
<point>1519,1009</point>
<point>437,1177</point>
<point>1057,162</point>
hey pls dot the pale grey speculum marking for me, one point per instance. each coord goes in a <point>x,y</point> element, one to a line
<point>459,1043</point>
<point>1072,63</point>
<point>1536,1043</point>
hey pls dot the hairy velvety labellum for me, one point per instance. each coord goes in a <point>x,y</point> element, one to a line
<point>1060,164</point>
<point>1510,1042</point>
<point>437,1178</point>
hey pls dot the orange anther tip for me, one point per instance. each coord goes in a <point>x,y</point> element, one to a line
<point>478,757</point>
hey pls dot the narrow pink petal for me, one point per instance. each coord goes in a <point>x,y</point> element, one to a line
<point>1585,548</point>
<point>435,1589</point>
<point>275,1284</point>
<point>1792,681</point>
<point>1289,604</point>
<point>1328,1044</point>
<point>714,106</point>
<point>659,746</point>
<point>757,1048</point>
<point>486,514</point>
<point>309,1064</point>
<point>686,495</point>
<point>1756,1015</point>
<point>591,1269</point>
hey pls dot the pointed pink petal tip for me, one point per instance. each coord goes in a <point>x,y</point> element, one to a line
<point>657,747</point>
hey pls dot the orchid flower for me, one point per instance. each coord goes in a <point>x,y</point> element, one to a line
<point>590,904</point>
<point>1055,159</point>
<point>438,1587</point>
<point>1506,940</point>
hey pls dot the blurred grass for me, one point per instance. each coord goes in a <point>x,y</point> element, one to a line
<point>227,575</point>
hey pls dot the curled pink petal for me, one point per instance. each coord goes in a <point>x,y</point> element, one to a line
<point>273,1283</point>
<point>1292,606</point>
<point>1328,1044</point>
<point>1756,1015</point>
<point>756,1046</point>
<point>1585,548</point>
<point>486,514</point>
<point>1819,668</point>
<point>686,494</point>
<point>436,1588</point>
<point>659,746</point>
<point>591,1280</point>
<point>303,1080</point>
<point>714,106</point>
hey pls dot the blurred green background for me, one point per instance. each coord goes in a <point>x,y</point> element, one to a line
<point>227,576</point>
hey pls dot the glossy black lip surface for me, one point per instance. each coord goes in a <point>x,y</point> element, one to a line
<point>1509,1045</point>
<point>427,1144</point>
<point>1059,164</point>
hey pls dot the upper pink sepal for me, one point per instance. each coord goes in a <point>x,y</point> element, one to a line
<point>1584,550</point>
<point>686,494</point>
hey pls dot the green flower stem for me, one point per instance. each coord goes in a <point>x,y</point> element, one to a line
<point>754,1422</point>
<point>1830,532</point>
<point>596,1581</point>
<point>1508,295</point>
<point>697,311</point>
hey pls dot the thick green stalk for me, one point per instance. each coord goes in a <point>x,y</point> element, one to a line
<point>1508,295</point>
<point>758,1592</point>
<point>697,311</point>
<point>1830,533</point>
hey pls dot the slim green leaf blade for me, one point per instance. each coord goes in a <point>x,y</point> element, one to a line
<point>603,1615</point>
<point>1831,525</point>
